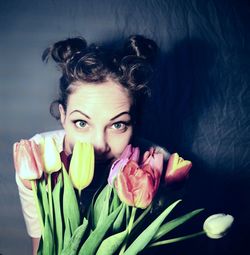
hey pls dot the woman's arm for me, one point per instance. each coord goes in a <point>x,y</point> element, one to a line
<point>35,245</point>
<point>29,212</point>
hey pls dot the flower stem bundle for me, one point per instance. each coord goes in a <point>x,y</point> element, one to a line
<point>121,218</point>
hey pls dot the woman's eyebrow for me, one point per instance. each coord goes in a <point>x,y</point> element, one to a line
<point>80,113</point>
<point>120,114</point>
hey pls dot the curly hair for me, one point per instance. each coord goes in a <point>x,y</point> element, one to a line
<point>130,66</point>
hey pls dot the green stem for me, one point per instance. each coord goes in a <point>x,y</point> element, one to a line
<point>131,221</point>
<point>33,186</point>
<point>173,240</point>
<point>50,202</point>
<point>80,203</point>
<point>140,218</point>
<point>127,215</point>
<point>129,228</point>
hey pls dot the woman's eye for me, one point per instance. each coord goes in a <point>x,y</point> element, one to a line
<point>119,125</point>
<point>80,123</point>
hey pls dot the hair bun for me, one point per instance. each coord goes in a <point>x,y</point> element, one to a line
<point>62,51</point>
<point>141,46</point>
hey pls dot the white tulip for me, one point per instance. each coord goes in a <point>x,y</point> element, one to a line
<point>51,155</point>
<point>217,225</point>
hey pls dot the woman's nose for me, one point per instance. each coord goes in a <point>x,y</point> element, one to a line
<point>100,143</point>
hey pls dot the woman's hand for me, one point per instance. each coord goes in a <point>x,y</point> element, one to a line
<point>26,183</point>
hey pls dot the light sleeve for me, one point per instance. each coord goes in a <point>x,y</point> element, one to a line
<point>29,209</point>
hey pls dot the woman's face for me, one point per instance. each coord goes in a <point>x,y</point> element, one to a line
<point>100,115</point>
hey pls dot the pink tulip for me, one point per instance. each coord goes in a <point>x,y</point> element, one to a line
<point>28,160</point>
<point>137,186</point>
<point>154,159</point>
<point>177,169</point>
<point>130,153</point>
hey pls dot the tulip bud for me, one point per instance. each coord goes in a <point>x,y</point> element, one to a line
<point>28,160</point>
<point>217,225</point>
<point>51,156</point>
<point>177,169</point>
<point>81,169</point>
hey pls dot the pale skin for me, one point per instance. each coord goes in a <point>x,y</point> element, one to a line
<point>99,114</point>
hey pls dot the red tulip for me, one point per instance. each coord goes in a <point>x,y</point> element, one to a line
<point>137,186</point>
<point>177,169</point>
<point>28,160</point>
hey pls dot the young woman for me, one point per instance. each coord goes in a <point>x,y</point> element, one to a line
<point>101,94</point>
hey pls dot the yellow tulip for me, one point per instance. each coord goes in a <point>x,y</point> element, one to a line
<point>81,169</point>
<point>51,156</point>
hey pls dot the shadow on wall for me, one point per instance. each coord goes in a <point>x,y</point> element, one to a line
<point>197,110</point>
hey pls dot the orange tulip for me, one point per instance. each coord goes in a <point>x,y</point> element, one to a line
<point>177,169</point>
<point>137,186</point>
<point>28,160</point>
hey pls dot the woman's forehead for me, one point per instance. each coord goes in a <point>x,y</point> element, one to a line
<point>107,97</point>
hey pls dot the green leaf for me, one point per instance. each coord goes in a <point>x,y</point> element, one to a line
<point>119,220</point>
<point>67,233</point>
<point>101,207</point>
<point>95,238</point>
<point>105,210</point>
<point>73,244</point>
<point>43,199</point>
<point>56,194</point>
<point>48,241</point>
<point>144,238</point>
<point>115,201</point>
<point>177,239</point>
<point>110,245</point>
<point>90,211</point>
<point>97,206</point>
<point>167,227</point>
<point>70,204</point>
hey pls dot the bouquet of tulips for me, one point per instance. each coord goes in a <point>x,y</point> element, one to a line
<point>117,220</point>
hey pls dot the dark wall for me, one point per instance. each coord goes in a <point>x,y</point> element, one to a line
<point>199,106</point>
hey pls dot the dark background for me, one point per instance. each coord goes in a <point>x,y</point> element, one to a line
<point>199,106</point>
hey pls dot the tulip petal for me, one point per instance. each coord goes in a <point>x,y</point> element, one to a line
<point>155,160</point>
<point>27,160</point>
<point>217,225</point>
<point>37,156</point>
<point>52,160</point>
<point>137,186</point>
<point>81,168</point>
<point>117,166</point>
<point>135,154</point>
<point>177,169</point>
<point>124,183</point>
<point>127,152</point>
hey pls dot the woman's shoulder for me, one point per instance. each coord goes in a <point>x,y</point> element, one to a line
<point>57,135</point>
<point>145,144</point>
